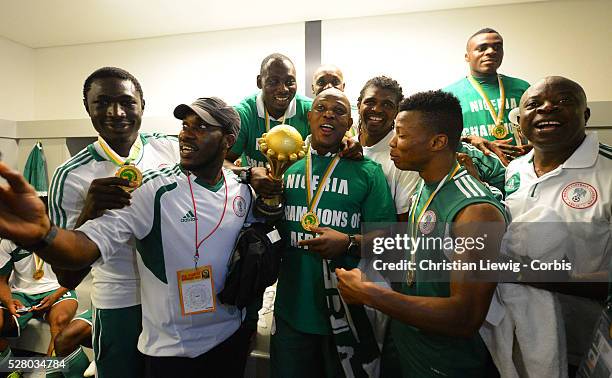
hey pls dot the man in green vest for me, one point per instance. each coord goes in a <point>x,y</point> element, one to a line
<point>436,312</point>
<point>487,97</point>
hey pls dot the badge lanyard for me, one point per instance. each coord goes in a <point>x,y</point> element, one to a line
<point>499,118</point>
<point>282,120</point>
<point>413,224</point>
<point>196,256</point>
<point>135,151</point>
<point>313,202</point>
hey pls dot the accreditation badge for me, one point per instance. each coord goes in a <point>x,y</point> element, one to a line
<point>132,174</point>
<point>310,221</point>
<point>196,290</point>
<point>499,132</point>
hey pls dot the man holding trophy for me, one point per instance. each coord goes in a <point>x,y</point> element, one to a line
<point>327,198</point>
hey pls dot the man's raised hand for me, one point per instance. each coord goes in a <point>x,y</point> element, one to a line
<point>23,218</point>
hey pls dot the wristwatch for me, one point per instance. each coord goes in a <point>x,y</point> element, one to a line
<point>245,175</point>
<point>44,242</point>
<point>354,248</point>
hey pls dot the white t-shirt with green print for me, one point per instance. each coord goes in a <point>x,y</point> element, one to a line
<point>20,265</point>
<point>161,220</point>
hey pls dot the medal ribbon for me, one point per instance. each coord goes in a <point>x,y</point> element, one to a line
<point>135,152</point>
<point>282,120</point>
<point>38,262</point>
<point>415,204</point>
<point>446,179</point>
<point>196,257</point>
<point>314,202</point>
<point>499,118</point>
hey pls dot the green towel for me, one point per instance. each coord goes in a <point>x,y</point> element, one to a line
<point>35,170</point>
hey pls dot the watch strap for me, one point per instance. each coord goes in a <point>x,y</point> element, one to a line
<point>354,249</point>
<point>44,242</point>
<point>245,175</point>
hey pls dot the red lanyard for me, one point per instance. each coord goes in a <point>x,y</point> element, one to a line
<point>196,257</point>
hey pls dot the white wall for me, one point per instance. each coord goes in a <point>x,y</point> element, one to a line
<point>421,50</point>
<point>171,70</point>
<point>425,50</point>
<point>9,150</point>
<point>16,81</point>
<point>8,143</point>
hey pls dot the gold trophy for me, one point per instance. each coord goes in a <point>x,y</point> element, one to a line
<point>282,146</point>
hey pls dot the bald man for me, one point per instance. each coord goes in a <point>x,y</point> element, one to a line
<point>330,76</point>
<point>559,197</point>
<point>327,76</point>
<point>327,197</point>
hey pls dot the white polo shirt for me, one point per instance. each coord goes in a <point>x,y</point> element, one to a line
<point>161,219</point>
<point>578,194</point>
<point>115,281</point>
<point>401,183</point>
<point>572,206</point>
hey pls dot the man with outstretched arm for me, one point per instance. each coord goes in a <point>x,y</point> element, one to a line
<point>182,258</point>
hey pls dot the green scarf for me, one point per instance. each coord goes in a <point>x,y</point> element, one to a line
<point>351,329</point>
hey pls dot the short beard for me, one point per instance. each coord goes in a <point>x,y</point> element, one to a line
<point>206,165</point>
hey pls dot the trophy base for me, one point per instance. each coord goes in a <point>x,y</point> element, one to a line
<point>270,212</point>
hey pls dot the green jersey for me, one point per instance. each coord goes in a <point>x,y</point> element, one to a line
<point>477,119</point>
<point>253,124</point>
<point>424,354</point>
<point>490,167</point>
<point>35,170</point>
<point>356,192</point>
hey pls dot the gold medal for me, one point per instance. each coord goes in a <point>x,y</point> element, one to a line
<point>499,132</point>
<point>132,174</point>
<point>38,274</point>
<point>310,221</point>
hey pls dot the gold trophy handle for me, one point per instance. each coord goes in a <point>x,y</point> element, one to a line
<point>282,146</point>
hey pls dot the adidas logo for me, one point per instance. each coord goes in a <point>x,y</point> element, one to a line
<point>189,217</point>
<point>22,252</point>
